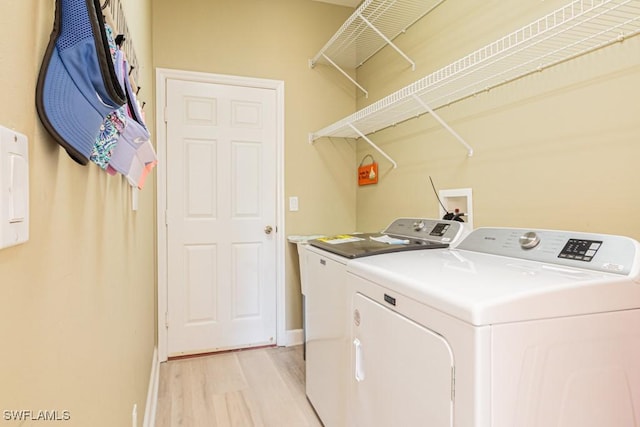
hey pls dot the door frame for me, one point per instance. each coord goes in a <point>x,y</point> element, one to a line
<point>162,75</point>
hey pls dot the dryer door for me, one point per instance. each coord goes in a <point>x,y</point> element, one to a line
<point>401,372</point>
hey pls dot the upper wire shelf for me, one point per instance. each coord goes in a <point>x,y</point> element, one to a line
<point>580,27</point>
<point>373,25</point>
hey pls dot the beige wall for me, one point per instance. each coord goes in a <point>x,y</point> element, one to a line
<point>274,40</point>
<point>557,149</point>
<point>77,318</point>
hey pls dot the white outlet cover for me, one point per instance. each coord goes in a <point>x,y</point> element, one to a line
<point>456,194</point>
<point>293,204</point>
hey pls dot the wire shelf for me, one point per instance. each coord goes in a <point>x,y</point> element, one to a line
<point>580,27</point>
<point>356,41</point>
<point>373,25</point>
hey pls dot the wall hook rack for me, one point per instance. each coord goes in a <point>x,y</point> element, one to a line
<point>115,16</point>
<point>120,38</point>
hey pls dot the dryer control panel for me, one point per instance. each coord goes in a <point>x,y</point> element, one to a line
<point>600,252</point>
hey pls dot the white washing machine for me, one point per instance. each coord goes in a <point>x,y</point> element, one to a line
<point>513,328</point>
<point>326,311</point>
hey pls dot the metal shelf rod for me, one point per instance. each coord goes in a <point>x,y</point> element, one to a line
<point>371,143</point>
<point>344,73</point>
<point>444,124</point>
<point>389,42</point>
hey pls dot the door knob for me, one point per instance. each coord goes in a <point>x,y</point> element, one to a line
<point>268,229</point>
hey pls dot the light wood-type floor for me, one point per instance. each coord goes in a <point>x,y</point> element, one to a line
<point>259,387</point>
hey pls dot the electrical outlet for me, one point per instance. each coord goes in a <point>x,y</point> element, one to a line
<point>293,204</point>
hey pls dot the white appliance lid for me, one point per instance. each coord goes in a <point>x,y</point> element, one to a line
<point>484,288</point>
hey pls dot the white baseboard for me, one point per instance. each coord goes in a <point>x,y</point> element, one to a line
<point>294,337</point>
<point>152,392</point>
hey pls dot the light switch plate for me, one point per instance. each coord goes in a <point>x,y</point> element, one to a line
<point>14,188</point>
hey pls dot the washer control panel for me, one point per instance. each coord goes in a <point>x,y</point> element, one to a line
<point>434,230</point>
<point>580,249</point>
<point>601,252</point>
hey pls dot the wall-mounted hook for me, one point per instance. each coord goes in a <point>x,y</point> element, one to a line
<point>138,90</point>
<point>143,104</point>
<point>131,69</point>
<point>120,38</point>
<point>106,3</point>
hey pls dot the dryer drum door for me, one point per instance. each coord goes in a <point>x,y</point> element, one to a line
<point>401,372</point>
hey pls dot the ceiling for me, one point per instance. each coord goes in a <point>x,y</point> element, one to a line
<point>350,3</point>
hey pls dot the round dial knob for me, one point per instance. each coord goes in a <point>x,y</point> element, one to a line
<point>418,225</point>
<point>529,240</point>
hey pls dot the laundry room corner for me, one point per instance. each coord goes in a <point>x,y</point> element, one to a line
<point>527,135</point>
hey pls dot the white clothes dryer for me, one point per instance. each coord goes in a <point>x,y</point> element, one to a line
<point>524,328</point>
<point>326,301</point>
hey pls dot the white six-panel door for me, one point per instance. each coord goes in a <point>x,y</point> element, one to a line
<point>221,213</point>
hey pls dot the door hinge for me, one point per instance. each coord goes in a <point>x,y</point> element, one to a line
<point>166,218</point>
<point>165,114</point>
<point>166,319</point>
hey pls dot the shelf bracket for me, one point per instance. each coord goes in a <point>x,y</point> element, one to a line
<point>388,41</point>
<point>344,73</point>
<point>371,143</point>
<point>444,124</point>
